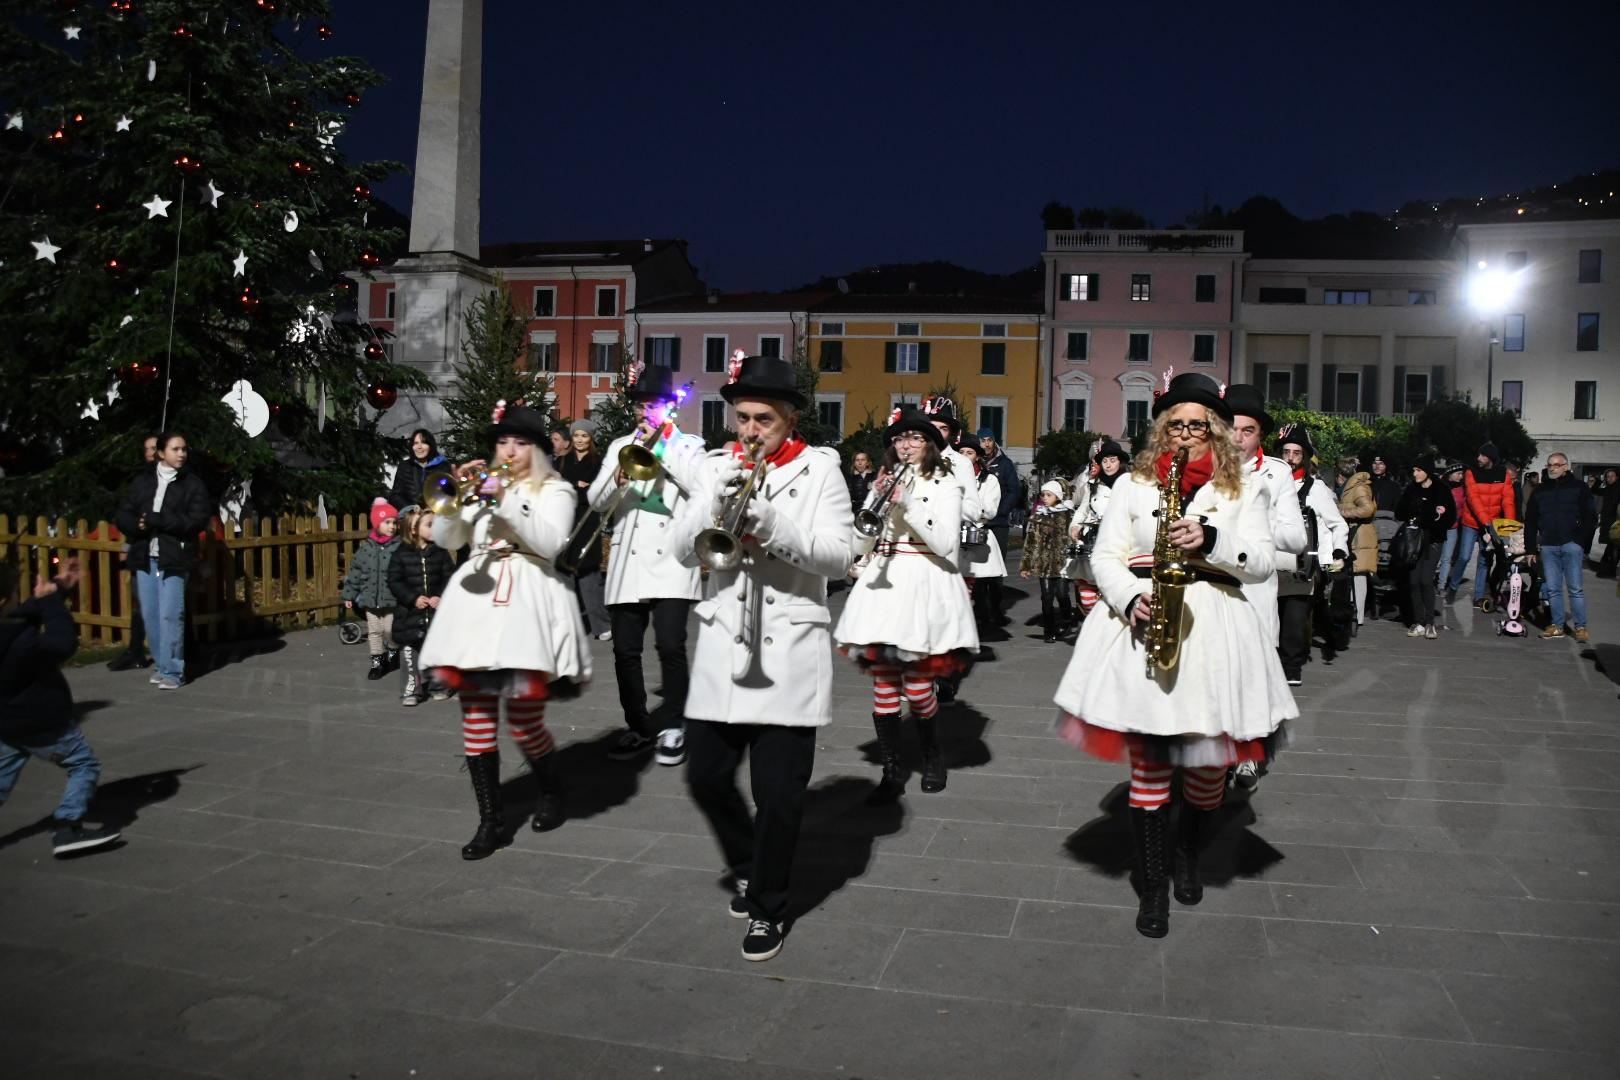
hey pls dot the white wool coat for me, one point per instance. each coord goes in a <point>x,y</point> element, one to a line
<point>1090,503</point>
<point>914,599</point>
<point>963,476</point>
<point>764,651</point>
<point>1228,679</point>
<point>985,561</point>
<point>1287,534</point>
<point>1332,534</point>
<point>506,606</point>
<point>643,563</point>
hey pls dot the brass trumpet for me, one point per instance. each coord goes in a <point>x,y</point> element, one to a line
<point>443,492</point>
<point>874,514</point>
<point>719,547</point>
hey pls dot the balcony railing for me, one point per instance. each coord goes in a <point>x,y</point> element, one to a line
<point>1166,240</point>
<point>1370,418</point>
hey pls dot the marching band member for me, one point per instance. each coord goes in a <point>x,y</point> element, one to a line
<point>983,560</point>
<point>1225,698</point>
<point>508,626</point>
<point>1298,577</point>
<point>762,669</point>
<point>908,620</point>
<point>941,412</point>
<point>1090,500</point>
<point>646,581</point>
<point>1250,425</point>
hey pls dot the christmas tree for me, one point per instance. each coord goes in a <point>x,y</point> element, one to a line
<point>497,365</point>
<point>176,216</point>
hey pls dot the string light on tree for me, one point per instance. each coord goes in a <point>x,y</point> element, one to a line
<point>187,164</point>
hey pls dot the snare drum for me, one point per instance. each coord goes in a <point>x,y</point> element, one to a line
<point>973,535</point>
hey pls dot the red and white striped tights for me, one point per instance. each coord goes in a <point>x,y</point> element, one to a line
<point>888,684</point>
<point>525,718</point>
<point>1203,786</point>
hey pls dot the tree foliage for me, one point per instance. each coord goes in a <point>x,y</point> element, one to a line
<point>1452,428</point>
<point>114,145</point>
<point>1064,453</point>
<point>497,364</point>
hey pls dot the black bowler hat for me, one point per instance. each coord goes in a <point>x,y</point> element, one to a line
<point>519,420</point>
<point>1296,435</point>
<point>1195,388</point>
<point>1246,400</point>
<point>943,410</point>
<point>769,377</point>
<point>1109,448</point>
<point>649,383</point>
<point>909,418</point>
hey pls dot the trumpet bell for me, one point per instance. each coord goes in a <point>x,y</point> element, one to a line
<point>639,463</point>
<point>441,492</point>
<point>718,549</point>
<point>869,523</point>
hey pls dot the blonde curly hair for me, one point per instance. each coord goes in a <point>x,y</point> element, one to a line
<point>1228,478</point>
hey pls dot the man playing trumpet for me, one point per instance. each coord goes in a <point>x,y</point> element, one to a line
<point>762,670</point>
<point>646,581</point>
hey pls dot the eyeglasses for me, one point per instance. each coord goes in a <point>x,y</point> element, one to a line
<point>910,437</point>
<point>1557,464</point>
<point>1191,427</point>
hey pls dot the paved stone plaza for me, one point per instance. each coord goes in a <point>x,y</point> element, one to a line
<point>1425,887</point>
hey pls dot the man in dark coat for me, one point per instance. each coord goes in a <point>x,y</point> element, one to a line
<point>1558,534</point>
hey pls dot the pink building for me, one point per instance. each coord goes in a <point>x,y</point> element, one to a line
<point>1122,305</point>
<point>695,336</point>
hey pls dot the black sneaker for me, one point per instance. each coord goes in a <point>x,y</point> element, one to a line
<point>739,903</point>
<point>72,837</point>
<point>763,940</point>
<point>630,745</point>
<point>1294,678</point>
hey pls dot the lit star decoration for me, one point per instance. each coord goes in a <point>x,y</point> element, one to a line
<point>71,33</point>
<point>240,262</point>
<point>44,249</point>
<point>14,122</point>
<point>158,207</point>
<point>124,123</point>
<point>211,195</point>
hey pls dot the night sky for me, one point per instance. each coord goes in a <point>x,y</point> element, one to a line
<point>788,141</point>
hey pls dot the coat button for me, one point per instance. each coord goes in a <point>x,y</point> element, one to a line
<point>660,551</point>
<point>767,641</point>
<point>793,493</point>
<point>738,639</point>
<point>770,599</point>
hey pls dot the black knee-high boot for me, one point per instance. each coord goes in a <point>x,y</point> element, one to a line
<point>549,812</point>
<point>1148,829</point>
<point>893,783</point>
<point>1190,827</point>
<point>933,761</point>
<point>485,770</point>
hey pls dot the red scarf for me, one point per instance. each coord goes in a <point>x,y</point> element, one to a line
<point>1259,459</point>
<point>1198,472</point>
<point>791,448</point>
<point>1299,473</point>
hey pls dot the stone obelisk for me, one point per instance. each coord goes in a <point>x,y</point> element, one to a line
<point>441,276</point>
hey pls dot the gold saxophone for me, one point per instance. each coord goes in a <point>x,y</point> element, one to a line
<point>1172,573</point>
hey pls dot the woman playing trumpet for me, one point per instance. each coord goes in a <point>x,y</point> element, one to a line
<point>508,626</point>
<point>909,620</point>
<point>1224,699</point>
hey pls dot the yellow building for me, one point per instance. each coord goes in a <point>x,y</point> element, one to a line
<point>874,352</point>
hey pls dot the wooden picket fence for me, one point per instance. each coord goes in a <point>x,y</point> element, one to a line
<point>251,578</point>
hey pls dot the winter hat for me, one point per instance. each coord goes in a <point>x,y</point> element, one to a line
<point>1055,487</point>
<point>1456,467</point>
<point>1347,466</point>
<point>1246,400</point>
<point>381,511</point>
<point>1426,463</point>
<point>1296,435</point>
<point>910,418</point>
<point>1109,448</point>
<point>1489,450</point>
<point>587,426</point>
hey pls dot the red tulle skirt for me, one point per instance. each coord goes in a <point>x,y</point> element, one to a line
<point>1194,750</point>
<point>946,665</point>
<point>518,684</point>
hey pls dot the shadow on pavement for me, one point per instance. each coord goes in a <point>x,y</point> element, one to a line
<point>204,659</point>
<point>592,782</point>
<point>961,740</point>
<point>1605,661</point>
<point>835,842</point>
<point>1231,850</point>
<point>116,805</point>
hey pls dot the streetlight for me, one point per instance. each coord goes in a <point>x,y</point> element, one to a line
<point>1489,293</point>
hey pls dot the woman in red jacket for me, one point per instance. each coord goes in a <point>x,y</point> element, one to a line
<point>1487,494</point>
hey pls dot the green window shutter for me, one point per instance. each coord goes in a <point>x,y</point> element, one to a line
<point>1398,392</point>
<point>675,354</point>
<point>1437,382</point>
<point>1369,388</point>
<point>1330,389</point>
<point>1302,383</point>
<point>891,352</point>
<point>922,358</point>
<point>1094,292</point>
<point>993,360</point>
<point>1258,377</point>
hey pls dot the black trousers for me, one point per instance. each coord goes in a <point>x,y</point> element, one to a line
<point>994,605</point>
<point>1611,557</point>
<point>668,618</point>
<point>1421,585</point>
<point>758,847</point>
<point>1056,598</point>
<point>1294,631</point>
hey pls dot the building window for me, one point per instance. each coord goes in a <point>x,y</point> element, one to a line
<point>545,301</point>
<point>1074,414</point>
<point>1279,385</point>
<point>1590,272</point>
<point>906,358</point>
<point>607,301</point>
<point>1513,333</point>
<point>993,358</point>
<point>993,329</point>
<point>832,329</point>
<point>1516,260</point>
<point>1204,289</point>
<point>1276,295</point>
<point>1203,349</point>
<point>1136,419</point>
<point>1078,287</point>
<point>770,345</point>
<point>994,417</point>
<point>1586,401</point>
<point>388,304</point>
<point>713,417</point>
<point>604,357</point>
<point>1414,392</point>
<point>1346,296</point>
<point>907,329</point>
<point>664,352</point>
<point>1138,349</point>
<point>1346,392</point>
<point>714,353</point>
<point>1141,286</point>
<point>831,415</point>
<point>1586,332</point>
<point>832,356</point>
<point>1513,397</point>
<point>1078,347</point>
<point>1420,297</point>
<point>545,355</point>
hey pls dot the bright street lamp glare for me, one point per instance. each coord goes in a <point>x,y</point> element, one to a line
<point>1490,290</point>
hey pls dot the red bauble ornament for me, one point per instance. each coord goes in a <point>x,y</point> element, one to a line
<point>114,266</point>
<point>265,5</point>
<point>122,7</point>
<point>362,192</point>
<point>370,258</point>
<point>381,396</point>
<point>375,351</point>
<point>78,118</point>
<point>137,372</point>
<point>59,137</point>
<point>300,167</point>
<point>351,99</point>
<point>323,32</point>
<point>187,164</point>
<point>181,32</point>
<point>249,301</point>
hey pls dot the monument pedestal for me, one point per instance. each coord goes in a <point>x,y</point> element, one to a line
<point>431,295</point>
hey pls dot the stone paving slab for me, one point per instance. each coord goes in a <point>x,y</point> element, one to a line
<point>1424,887</point>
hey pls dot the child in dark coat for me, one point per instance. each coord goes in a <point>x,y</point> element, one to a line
<point>36,707</point>
<point>366,586</point>
<point>417,576</point>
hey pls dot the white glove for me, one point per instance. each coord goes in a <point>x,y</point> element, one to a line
<point>728,478</point>
<point>760,520</point>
